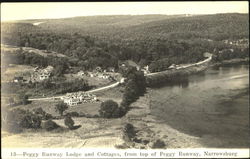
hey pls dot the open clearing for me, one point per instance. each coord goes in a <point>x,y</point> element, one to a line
<point>93,133</point>
<point>88,108</point>
<point>16,70</point>
<point>44,53</point>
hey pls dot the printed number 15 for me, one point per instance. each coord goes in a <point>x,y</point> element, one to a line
<point>13,153</point>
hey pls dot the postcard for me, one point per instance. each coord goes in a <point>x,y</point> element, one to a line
<point>125,79</point>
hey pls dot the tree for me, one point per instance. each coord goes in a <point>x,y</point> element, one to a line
<point>135,87</point>
<point>30,121</point>
<point>158,144</point>
<point>140,82</point>
<point>22,119</point>
<point>49,125</point>
<point>41,113</point>
<point>24,98</point>
<point>69,122</point>
<point>129,132</point>
<point>61,107</point>
<point>11,101</point>
<point>59,69</point>
<point>109,109</point>
<point>130,94</point>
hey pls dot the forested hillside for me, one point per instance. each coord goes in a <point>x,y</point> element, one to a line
<point>217,27</point>
<point>155,40</point>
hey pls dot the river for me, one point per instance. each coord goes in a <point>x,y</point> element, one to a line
<point>213,105</point>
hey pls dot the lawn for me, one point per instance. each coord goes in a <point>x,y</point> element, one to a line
<point>49,107</point>
<point>92,81</point>
<point>16,70</point>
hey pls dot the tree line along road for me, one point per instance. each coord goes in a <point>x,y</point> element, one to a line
<point>122,81</point>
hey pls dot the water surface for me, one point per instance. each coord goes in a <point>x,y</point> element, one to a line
<point>213,105</point>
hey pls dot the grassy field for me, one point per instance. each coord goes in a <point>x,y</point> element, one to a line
<point>92,81</point>
<point>49,107</point>
<point>11,48</point>
<point>87,108</point>
<point>16,70</point>
<point>93,132</point>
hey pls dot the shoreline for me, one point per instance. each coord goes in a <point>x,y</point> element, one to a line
<point>150,128</point>
<point>173,75</point>
<point>231,61</point>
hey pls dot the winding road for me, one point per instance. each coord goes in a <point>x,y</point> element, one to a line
<point>122,81</point>
<point>185,66</point>
<point>90,91</point>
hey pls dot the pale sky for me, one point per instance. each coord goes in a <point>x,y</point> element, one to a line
<point>39,10</point>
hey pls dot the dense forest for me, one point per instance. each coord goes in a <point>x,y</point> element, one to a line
<point>154,40</point>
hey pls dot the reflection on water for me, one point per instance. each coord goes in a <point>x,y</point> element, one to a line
<point>212,105</point>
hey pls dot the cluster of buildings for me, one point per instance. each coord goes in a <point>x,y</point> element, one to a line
<point>240,42</point>
<point>226,50</point>
<point>144,69</point>
<point>37,76</point>
<point>41,74</point>
<point>19,79</point>
<point>99,73</point>
<point>72,99</point>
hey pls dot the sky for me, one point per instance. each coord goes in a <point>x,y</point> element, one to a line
<point>45,10</point>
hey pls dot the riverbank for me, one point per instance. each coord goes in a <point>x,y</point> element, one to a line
<point>173,75</point>
<point>210,116</point>
<point>168,76</point>
<point>151,129</point>
<point>232,61</point>
<point>107,132</point>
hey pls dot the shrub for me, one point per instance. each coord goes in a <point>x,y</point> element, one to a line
<point>122,146</point>
<point>158,144</point>
<point>73,114</point>
<point>19,118</point>
<point>49,125</point>
<point>88,116</point>
<point>44,115</point>
<point>81,114</point>
<point>30,121</point>
<point>135,87</point>
<point>69,122</point>
<point>96,116</point>
<point>109,109</point>
<point>61,107</point>
<point>23,99</point>
<point>129,132</point>
<point>9,123</point>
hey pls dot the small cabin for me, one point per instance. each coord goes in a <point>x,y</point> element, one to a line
<point>111,69</point>
<point>98,69</point>
<point>82,73</point>
<point>18,79</point>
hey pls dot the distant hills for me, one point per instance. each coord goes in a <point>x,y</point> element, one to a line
<point>154,40</point>
<point>217,26</point>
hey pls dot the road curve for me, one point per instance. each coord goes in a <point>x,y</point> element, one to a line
<point>122,80</point>
<point>186,66</point>
<point>102,88</point>
<point>90,91</point>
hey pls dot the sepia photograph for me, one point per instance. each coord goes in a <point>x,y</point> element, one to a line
<point>128,79</point>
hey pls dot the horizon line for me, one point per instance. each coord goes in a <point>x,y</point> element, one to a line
<point>197,14</point>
